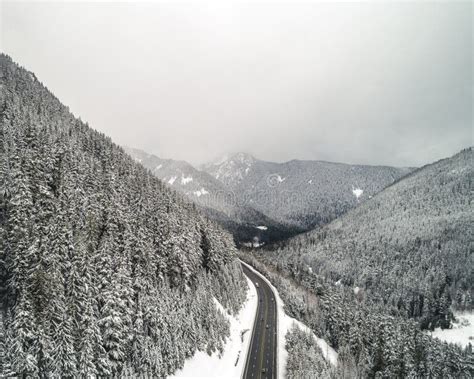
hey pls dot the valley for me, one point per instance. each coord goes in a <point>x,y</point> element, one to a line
<point>263,202</point>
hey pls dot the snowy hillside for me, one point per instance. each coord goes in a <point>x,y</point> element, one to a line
<point>199,186</point>
<point>231,170</point>
<point>418,229</point>
<point>100,263</point>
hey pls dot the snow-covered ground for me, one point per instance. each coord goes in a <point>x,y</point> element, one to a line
<point>284,324</point>
<point>202,365</point>
<point>462,332</point>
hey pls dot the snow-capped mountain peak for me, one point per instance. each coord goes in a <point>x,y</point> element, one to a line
<point>242,158</point>
<point>232,169</point>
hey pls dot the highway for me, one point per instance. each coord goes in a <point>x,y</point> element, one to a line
<point>262,355</point>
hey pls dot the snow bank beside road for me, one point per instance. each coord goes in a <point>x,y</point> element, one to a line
<point>284,325</point>
<point>202,365</point>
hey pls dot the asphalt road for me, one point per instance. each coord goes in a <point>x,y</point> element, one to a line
<point>261,359</point>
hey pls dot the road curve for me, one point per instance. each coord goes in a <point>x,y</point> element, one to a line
<point>262,355</point>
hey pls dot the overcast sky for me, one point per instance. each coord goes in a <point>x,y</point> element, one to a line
<point>357,83</point>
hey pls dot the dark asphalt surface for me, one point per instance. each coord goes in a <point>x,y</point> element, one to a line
<point>261,360</point>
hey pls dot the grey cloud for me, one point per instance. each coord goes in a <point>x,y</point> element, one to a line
<point>372,83</point>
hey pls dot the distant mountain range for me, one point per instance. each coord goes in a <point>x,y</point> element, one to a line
<point>261,202</point>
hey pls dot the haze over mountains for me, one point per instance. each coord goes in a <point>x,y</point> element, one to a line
<point>263,201</point>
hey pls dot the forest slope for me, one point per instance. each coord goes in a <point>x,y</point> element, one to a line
<point>409,248</point>
<point>104,271</point>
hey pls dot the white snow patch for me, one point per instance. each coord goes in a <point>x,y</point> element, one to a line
<point>462,332</point>
<point>158,167</point>
<point>262,227</point>
<point>284,325</point>
<point>186,180</point>
<point>204,366</point>
<point>172,180</point>
<point>201,192</point>
<point>254,244</point>
<point>357,192</point>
